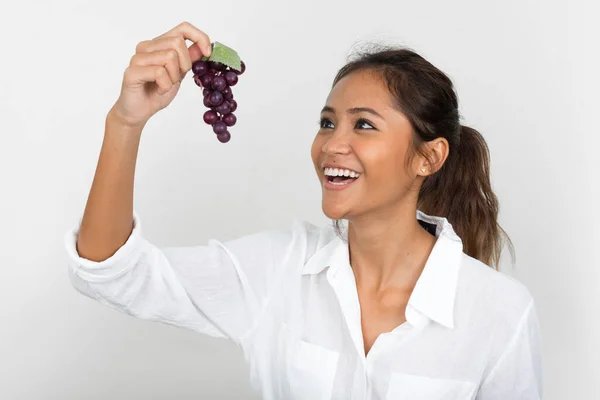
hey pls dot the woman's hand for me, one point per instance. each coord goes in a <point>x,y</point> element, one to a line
<point>155,73</point>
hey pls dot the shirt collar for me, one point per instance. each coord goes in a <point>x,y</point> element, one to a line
<point>435,290</point>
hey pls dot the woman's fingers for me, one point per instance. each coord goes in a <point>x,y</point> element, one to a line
<point>189,32</point>
<point>153,77</point>
<point>175,44</point>
<point>175,39</point>
<point>167,58</point>
<point>195,52</point>
<point>136,75</point>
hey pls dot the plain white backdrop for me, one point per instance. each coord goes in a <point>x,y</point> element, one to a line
<point>526,74</point>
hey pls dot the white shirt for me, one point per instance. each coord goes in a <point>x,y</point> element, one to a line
<point>289,299</point>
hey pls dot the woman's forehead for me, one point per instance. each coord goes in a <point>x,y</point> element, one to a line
<point>359,89</point>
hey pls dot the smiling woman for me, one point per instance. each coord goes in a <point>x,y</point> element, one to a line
<point>418,114</point>
<point>401,306</point>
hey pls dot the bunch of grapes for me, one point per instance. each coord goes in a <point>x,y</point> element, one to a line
<point>217,79</point>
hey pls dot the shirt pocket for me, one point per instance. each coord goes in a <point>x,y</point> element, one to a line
<point>312,370</point>
<point>415,387</point>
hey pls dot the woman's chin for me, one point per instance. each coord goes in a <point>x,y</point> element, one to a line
<point>334,211</point>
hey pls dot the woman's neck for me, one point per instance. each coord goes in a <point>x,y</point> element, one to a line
<point>388,250</point>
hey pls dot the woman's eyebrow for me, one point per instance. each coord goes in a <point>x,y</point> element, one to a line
<point>354,110</point>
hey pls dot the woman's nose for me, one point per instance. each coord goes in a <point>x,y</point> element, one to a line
<point>336,144</point>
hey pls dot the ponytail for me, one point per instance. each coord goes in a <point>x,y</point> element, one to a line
<point>461,192</point>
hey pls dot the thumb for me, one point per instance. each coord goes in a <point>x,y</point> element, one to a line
<point>195,52</point>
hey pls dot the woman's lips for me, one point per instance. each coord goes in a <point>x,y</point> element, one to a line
<point>338,185</point>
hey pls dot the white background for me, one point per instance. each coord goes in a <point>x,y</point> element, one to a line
<point>526,73</point>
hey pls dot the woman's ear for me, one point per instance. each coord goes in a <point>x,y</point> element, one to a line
<point>437,151</point>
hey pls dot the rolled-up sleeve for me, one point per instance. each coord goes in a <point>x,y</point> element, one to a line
<point>517,374</point>
<point>219,289</point>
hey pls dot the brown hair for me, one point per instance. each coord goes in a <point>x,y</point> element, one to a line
<point>460,190</point>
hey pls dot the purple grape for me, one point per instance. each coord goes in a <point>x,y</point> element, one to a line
<point>215,98</point>
<point>199,67</point>
<point>206,102</point>
<point>219,83</point>
<point>233,105</point>
<point>217,65</point>
<point>198,80</point>
<point>231,78</point>
<point>229,119</point>
<point>219,127</point>
<point>224,107</point>
<point>206,79</point>
<point>227,93</point>
<point>224,137</point>
<point>206,92</point>
<point>243,69</point>
<point>210,117</point>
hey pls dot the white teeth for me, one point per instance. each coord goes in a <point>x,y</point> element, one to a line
<point>341,172</point>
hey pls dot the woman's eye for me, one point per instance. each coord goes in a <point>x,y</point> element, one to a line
<point>364,124</point>
<point>325,123</point>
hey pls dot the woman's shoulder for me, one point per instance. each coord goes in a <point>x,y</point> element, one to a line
<point>495,293</point>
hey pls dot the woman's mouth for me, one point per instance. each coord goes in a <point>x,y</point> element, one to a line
<point>339,179</point>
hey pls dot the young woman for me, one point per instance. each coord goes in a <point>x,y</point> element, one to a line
<point>398,305</point>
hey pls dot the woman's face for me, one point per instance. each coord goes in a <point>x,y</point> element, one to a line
<point>362,132</point>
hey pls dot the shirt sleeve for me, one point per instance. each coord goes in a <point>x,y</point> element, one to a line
<point>517,374</point>
<point>219,289</point>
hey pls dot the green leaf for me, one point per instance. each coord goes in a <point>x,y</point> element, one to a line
<point>226,55</point>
